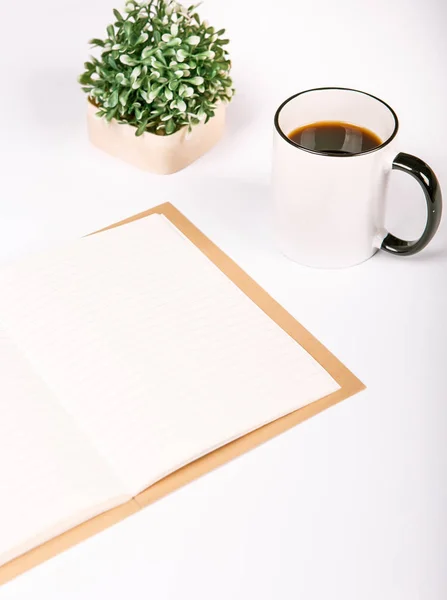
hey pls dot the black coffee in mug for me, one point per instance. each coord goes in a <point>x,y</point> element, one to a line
<point>335,137</point>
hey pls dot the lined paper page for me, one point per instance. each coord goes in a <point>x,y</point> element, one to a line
<point>51,478</point>
<point>156,353</point>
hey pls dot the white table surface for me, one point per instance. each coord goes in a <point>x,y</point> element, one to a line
<point>351,504</point>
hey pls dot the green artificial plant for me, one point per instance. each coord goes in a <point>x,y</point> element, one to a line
<point>160,68</point>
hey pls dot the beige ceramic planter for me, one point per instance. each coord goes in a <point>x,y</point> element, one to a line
<point>155,153</point>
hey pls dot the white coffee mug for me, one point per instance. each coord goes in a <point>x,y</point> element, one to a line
<point>330,207</point>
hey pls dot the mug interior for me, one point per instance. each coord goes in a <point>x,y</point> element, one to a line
<point>337,104</point>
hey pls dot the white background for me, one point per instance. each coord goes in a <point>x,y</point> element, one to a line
<point>352,504</point>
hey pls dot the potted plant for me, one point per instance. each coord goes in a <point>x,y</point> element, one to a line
<point>157,92</point>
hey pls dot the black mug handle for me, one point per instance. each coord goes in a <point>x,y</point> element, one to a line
<point>424,175</point>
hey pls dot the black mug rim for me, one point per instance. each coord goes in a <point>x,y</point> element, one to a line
<point>334,154</point>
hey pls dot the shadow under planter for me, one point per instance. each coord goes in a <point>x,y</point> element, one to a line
<point>162,154</point>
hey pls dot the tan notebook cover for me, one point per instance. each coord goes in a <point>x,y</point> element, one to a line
<point>348,383</point>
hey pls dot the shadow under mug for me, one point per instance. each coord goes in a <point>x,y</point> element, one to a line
<point>330,209</point>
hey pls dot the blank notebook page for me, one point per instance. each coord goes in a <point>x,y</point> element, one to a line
<point>158,356</point>
<point>51,477</point>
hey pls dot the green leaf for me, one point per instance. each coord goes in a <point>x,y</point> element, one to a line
<point>154,93</point>
<point>121,79</point>
<point>224,42</point>
<point>112,62</point>
<point>85,79</point>
<point>111,31</point>
<point>111,113</point>
<point>113,99</point>
<point>158,65</point>
<point>135,73</point>
<point>117,15</point>
<point>127,60</point>
<point>97,42</point>
<point>143,37</point>
<point>170,127</point>
<point>160,57</point>
<point>196,80</point>
<point>174,42</point>
<point>141,128</point>
<point>128,28</point>
<point>124,96</point>
<point>181,55</point>
<point>193,40</point>
<point>147,52</point>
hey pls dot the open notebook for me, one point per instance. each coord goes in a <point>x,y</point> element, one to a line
<point>123,357</point>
